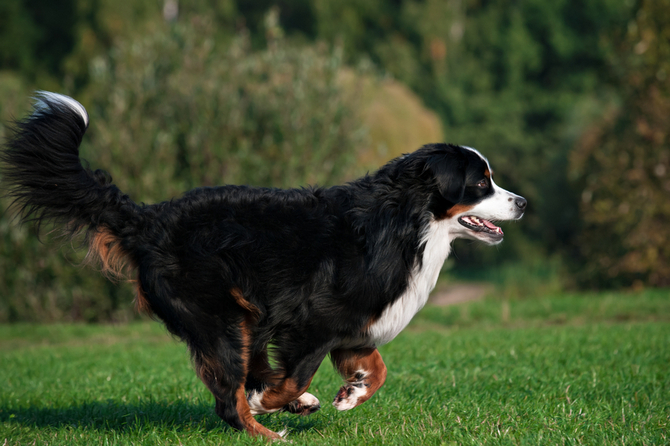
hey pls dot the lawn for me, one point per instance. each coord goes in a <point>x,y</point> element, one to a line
<point>567,369</point>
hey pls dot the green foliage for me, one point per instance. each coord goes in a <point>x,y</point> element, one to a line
<point>505,76</point>
<point>622,164</point>
<point>36,35</point>
<point>205,114</point>
<point>227,93</point>
<point>540,381</point>
<point>38,285</point>
<point>35,283</point>
<point>172,110</point>
<point>519,80</point>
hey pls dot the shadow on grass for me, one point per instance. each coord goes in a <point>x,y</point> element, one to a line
<point>174,416</point>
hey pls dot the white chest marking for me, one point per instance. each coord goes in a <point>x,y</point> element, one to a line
<point>422,281</point>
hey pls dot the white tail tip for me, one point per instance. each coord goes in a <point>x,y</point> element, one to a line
<point>43,98</point>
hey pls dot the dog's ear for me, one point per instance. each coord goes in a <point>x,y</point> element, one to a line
<point>449,171</point>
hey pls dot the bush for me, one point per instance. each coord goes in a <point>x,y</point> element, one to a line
<point>205,115</point>
<point>622,164</point>
<point>175,109</point>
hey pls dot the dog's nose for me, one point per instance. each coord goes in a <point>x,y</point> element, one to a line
<point>521,203</point>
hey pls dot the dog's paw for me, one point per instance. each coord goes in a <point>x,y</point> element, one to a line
<point>349,395</point>
<point>306,404</point>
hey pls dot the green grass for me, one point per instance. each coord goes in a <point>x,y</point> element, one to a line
<point>570,369</point>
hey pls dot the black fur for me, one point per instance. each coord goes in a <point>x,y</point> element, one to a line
<point>314,266</point>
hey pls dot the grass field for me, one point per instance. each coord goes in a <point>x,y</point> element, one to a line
<point>569,369</point>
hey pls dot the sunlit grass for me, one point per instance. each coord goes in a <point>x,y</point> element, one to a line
<point>459,375</point>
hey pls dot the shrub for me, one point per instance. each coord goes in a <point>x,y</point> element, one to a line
<point>622,164</point>
<point>175,109</point>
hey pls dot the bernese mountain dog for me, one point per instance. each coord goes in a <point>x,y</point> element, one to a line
<point>232,270</point>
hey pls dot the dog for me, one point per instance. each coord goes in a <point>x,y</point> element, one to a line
<point>230,270</point>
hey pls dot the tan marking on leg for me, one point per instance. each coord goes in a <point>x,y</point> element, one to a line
<point>208,368</point>
<point>276,397</point>
<point>242,302</point>
<point>260,369</point>
<point>205,368</point>
<point>142,304</point>
<point>364,372</point>
<point>253,427</point>
<point>280,395</point>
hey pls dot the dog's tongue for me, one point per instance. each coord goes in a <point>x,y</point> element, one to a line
<point>491,226</point>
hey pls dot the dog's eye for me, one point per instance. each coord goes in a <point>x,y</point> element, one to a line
<point>483,183</point>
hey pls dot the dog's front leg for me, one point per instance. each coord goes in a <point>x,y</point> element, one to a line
<point>364,373</point>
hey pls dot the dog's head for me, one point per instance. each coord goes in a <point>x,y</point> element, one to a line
<point>467,197</point>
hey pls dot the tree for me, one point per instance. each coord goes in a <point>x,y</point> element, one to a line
<point>622,164</point>
<point>207,113</point>
<point>36,35</point>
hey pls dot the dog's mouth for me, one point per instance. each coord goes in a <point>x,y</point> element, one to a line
<point>481,225</point>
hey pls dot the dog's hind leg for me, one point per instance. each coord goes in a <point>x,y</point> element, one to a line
<point>224,373</point>
<point>364,373</point>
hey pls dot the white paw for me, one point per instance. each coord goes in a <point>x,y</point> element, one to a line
<point>305,404</point>
<point>348,396</point>
<point>307,399</point>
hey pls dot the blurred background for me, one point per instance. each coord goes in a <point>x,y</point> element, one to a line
<point>569,100</point>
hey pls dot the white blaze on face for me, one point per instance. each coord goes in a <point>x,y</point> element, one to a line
<point>500,206</point>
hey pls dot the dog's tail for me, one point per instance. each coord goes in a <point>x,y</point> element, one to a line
<point>44,175</point>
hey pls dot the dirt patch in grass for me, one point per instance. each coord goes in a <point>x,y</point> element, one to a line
<point>460,293</point>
